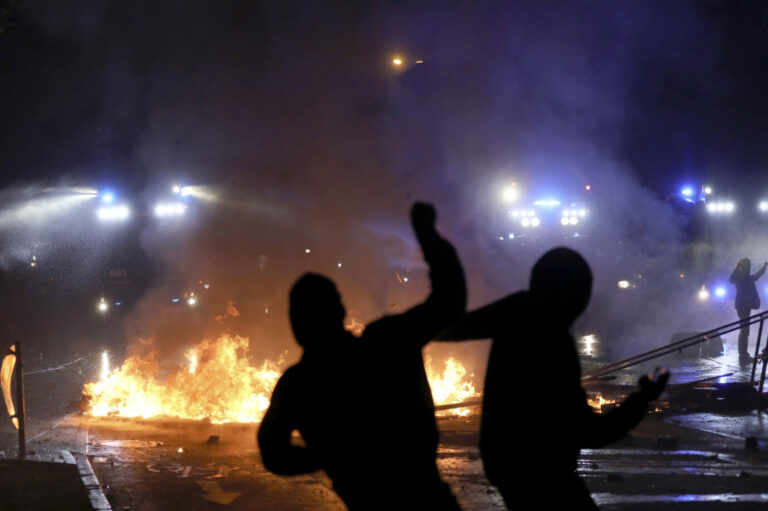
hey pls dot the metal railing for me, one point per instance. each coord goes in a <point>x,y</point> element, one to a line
<point>687,343</point>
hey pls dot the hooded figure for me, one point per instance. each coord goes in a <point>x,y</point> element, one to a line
<point>746,300</point>
<point>535,413</point>
<point>363,406</point>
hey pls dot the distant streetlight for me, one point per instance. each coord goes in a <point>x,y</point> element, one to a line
<point>102,306</point>
<point>397,61</point>
<point>509,194</point>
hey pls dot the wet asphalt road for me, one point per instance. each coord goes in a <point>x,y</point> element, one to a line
<point>694,458</point>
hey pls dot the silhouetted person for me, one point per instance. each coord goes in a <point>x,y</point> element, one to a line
<point>746,300</point>
<point>535,413</point>
<point>363,406</point>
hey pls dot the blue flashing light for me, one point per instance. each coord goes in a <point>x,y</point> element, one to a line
<point>176,300</point>
<point>547,203</point>
<point>687,191</point>
<point>720,291</point>
<point>108,197</point>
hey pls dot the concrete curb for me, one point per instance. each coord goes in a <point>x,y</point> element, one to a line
<point>91,484</point>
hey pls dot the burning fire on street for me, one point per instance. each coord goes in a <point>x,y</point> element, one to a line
<point>453,385</point>
<point>597,401</point>
<point>219,384</point>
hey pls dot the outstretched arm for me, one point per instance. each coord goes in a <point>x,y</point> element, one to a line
<point>277,452</point>
<point>598,430</point>
<point>447,300</point>
<point>483,323</point>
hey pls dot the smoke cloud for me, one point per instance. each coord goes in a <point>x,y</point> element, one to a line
<point>307,146</point>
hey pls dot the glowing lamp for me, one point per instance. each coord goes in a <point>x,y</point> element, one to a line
<point>509,194</point>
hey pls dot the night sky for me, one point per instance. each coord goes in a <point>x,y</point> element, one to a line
<point>294,118</point>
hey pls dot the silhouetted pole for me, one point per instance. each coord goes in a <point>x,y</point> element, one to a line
<point>21,413</point>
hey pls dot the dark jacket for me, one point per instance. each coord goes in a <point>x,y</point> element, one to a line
<point>535,412</point>
<point>747,297</point>
<point>364,406</point>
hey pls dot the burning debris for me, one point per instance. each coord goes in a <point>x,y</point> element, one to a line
<point>452,386</point>
<point>218,384</point>
<point>597,401</point>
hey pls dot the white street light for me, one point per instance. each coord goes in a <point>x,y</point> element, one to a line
<point>509,194</point>
<point>102,306</point>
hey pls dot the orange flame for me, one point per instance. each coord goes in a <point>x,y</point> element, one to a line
<point>452,386</point>
<point>218,384</point>
<point>598,401</point>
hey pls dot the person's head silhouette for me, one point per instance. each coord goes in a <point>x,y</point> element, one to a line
<point>746,265</point>
<point>562,281</point>
<point>316,310</point>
